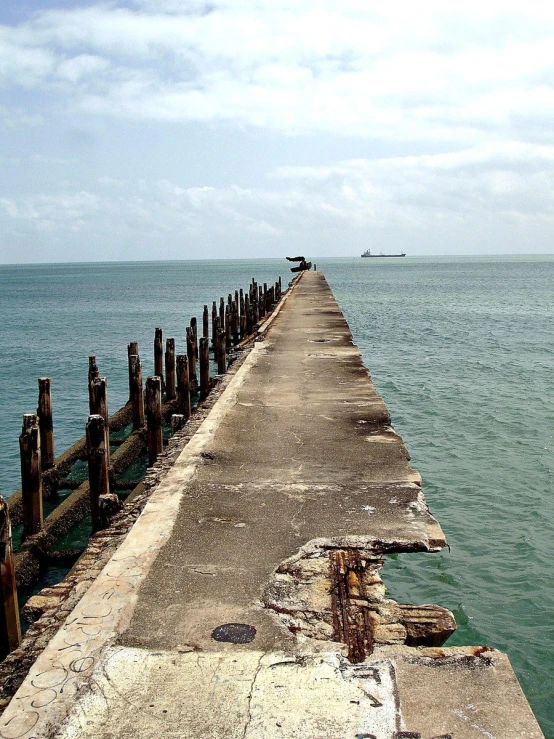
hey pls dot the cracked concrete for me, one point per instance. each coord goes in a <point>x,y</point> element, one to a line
<point>273,522</point>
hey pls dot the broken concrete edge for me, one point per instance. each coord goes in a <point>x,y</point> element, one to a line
<point>48,610</point>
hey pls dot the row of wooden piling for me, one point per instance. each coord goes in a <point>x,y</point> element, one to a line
<point>175,375</point>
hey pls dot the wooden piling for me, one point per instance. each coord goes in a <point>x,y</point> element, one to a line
<point>215,337</point>
<point>228,325</point>
<point>10,630</point>
<point>159,356</point>
<point>191,355</point>
<point>204,368</point>
<point>46,426</point>
<point>98,465</point>
<point>248,315</point>
<point>235,322</point>
<point>92,374</point>
<point>222,314</point>
<point>154,417</point>
<point>222,353</point>
<point>135,391</point>
<point>170,369</point>
<point>183,385</point>
<point>100,406</point>
<point>242,316</point>
<point>194,332</point>
<point>205,323</point>
<point>31,475</point>
<point>214,319</point>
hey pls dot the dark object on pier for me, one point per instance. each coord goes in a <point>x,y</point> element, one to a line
<point>10,630</point>
<point>301,267</point>
<point>295,259</point>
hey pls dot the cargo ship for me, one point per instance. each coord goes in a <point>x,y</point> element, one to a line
<point>368,253</point>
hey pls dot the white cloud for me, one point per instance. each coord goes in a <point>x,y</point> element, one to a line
<point>423,71</point>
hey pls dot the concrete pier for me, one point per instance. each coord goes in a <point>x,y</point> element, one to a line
<point>247,601</point>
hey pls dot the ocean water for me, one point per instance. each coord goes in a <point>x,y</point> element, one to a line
<point>462,351</point>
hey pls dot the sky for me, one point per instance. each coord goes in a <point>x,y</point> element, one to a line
<point>173,129</point>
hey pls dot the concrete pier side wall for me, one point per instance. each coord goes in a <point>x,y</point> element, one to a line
<point>246,601</point>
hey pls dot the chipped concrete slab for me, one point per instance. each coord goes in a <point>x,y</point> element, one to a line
<point>292,489</point>
<point>267,695</point>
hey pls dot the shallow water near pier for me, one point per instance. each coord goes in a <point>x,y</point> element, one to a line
<point>462,351</point>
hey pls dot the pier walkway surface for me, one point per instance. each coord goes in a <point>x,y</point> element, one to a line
<point>246,601</point>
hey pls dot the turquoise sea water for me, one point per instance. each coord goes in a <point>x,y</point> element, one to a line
<point>460,348</point>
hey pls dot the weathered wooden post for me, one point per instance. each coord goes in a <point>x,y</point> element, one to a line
<point>92,374</point>
<point>254,308</point>
<point>169,369</point>
<point>10,630</point>
<point>247,316</point>
<point>261,303</point>
<point>98,465</point>
<point>99,406</point>
<point>222,314</point>
<point>31,475</point>
<point>214,318</point>
<point>183,385</point>
<point>235,322</point>
<point>159,356</point>
<point>205,323</point>
<point>194,332</point>
<point>215,337</point>
<point>191,355</point>
<point>136,394</point>
<point>228,325</point>
<point>222,353</point>
<point>46,425</point>
<point>154,417</point>
<point>242,319</point>
<point>204,368</point>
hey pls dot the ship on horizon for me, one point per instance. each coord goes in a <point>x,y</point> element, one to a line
<point>368,253</point>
